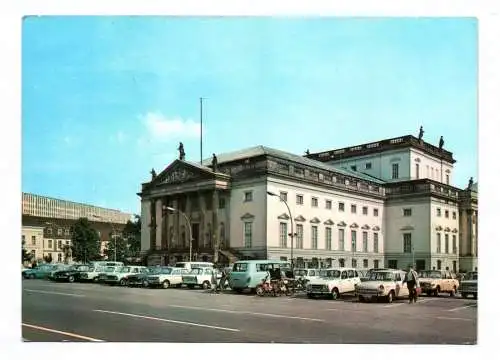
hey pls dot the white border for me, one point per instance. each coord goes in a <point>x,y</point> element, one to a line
<point>10,164</point>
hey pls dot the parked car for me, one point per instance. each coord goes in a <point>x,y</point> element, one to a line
<point>166,277</point>
<point>201,277</point>
<point>91,275</point>
<point>333,282</point>
<point>40,272</point>
<point>306,275</point>
<point>386,284</point>
<point>433,282</point>
<point>121,276</point>
<point>141,279</point>
<point>247,274</point>
<point>366,274</point>
<point>70,274</point>
<point>108,270</point>
<point>193,264</point>
<point>469,285</point>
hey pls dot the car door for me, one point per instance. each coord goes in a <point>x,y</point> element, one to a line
<point>344,280</point>
<point>356,279</point>
<point>176,276</point>
<point>401,288</point>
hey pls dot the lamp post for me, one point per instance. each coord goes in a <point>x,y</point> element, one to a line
<point>188,224</point>
<point>413,256</point>
<point>270,193</point>
<point>112,229</point>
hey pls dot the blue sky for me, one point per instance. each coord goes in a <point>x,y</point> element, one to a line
<point>105,99</point>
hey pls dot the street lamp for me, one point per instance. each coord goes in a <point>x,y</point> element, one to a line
<point>189,227</point>
<point>270,193</point>
<point>112,229</point>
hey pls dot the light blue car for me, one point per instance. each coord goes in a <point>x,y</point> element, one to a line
<point>247,274</point>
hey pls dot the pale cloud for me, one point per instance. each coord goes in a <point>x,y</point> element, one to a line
<point>162,129</point>
<point>120,137</point>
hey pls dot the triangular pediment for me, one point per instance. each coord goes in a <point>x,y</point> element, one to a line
<point>300,218</point>
<point>181,171</point>
<point>365,227</point>
<point>454,230</point>
<point>247,216</point>
<point>341,224</point>
<point>439,228</point>
<point>407,227</point>
<point>284,216</point>
<point>315,220</point>
<point>354,226</point>
<point>328,222</point>
<point>447,229</point>
<point>376,228</point>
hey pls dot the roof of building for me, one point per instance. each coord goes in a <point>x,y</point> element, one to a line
<point>264,150</point>
<point>407,141</point>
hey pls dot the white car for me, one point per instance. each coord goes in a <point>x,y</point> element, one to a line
<point>468,285</point>
<point>91,275</point>
<point>166,277</point>
<point>121,276</point>
<point>386,284</point>
<point>306,274</point>
<point>333,282</point>
<point>201,277</point>
<point>108,270</point>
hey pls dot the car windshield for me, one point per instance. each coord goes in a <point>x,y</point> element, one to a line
<point>471,276</point>
<point>300,272</point>
<point>125,269</point>
<point>329,273</point>
<point>109,269</point>
<point>382,275</point>
<point>196,271</point>
<point>429,274</point>
<point>164,270</point>
<point>45,267</point>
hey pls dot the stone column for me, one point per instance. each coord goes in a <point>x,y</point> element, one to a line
<point>189,215</point>
<point>159,222</point>
<point>202,237</point>
<point>175,222</point>
<point>164,228</point>
<point>152,232</point>
<point>215,225</point>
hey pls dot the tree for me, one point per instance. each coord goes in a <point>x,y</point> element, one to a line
<point>122,250</point>
<point>48,258</point>
<point>66,249</point>
<point>132,234</point>
<point>25,255</point>
<point>85,242</point>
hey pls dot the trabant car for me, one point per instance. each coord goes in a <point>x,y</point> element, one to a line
<point>247,274</point>
<point>306,275</point>
<point>108,270</point>
<point>433,282</point>
<point>40,272</point>
<point>333,282</point>
<point>70,274</point>
<point>166,276</point>
<point>469,285</point>
<point>92,274</point>
<point>121,276</point>
<point>386,284</point>
<point>141,279</point>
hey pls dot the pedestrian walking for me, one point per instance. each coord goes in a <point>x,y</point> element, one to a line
<point>411,280</point>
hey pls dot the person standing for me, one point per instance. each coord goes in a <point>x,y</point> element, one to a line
<point>411,280</point>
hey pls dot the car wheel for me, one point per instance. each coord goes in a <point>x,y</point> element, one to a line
<point>166,284</point>
<point>335,294</point>
<point>437,291</point>
<point>205,285</point>
<point>361,299</point>
<point>464,295</point>
<point>123,282</point>
<point>71,279</point>
<point>190,286</point>
<point>31,276</point>
<point>390,297</point>
<point>259,290</point>
<point>429,293</point>
<point>145,284</point>
<point>178,286</point>
<point>453,291</point>
<point>311,296</point>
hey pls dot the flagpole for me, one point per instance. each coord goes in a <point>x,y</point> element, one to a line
<point>201,131</point>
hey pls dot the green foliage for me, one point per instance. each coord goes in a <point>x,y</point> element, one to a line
<point>25,255</point>
<point>85,242</point>
<point>132,234</point>
<point>122,251</point>
<point>66,249</point>
<point>48,258</point>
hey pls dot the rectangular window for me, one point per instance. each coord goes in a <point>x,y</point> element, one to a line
<point>406,212</point>
<point>299,199</point>
<point>328,238</point>
<point>341,240</point>
<point>328,204</point>
<point>438,243</point>
<point>365,241</point>
<point>353,209</point>
<point>375,264</point>
<point>353,240</point>
<point>248,196</point>
<point>368,166</point>
<point>417,171</point>
<point>365,210</point>
<point>341,206</point>
<point>59,257</point>
<point>59,244</point>
<point>407,243</point>
<point>314,202</point>
<point>222,203</point>
<point>354,168</point>
<point>59,231</point>
<point>49,244</point>
<point>354,263</point>
<point>447,179</point>
<point>375,242</point>
<point>300,236</point>
<point>454,241</point>
<point>23,238</point>
<point>283,196</point>
<point>375,212</point>
<point>365,263</point>
<point>314,237</point>
<point>66,232</point>
<point>33,240</point>
<point>395,171</point>
<point>446,244</point>
<point>446,214</point>
<point>248,234</point>
<point>439,264</point>
<point>438,212</point>
<point>283,234</point>
<point>454,215</point>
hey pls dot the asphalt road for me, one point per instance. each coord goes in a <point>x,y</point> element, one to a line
<point>93,312</point>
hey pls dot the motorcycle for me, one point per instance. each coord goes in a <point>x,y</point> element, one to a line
<point>265,288</point>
